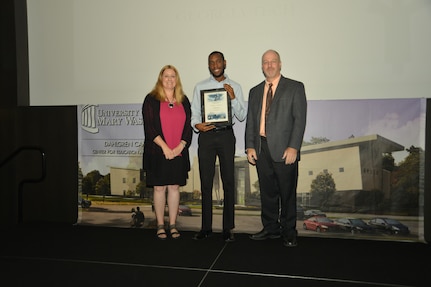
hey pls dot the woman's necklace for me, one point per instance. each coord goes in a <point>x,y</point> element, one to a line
<point>171,103</point>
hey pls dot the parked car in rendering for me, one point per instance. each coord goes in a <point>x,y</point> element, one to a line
<point>354,225</point>
<point>320,224</point>
<point>388,225</point>
<point>299,212</point>
<point>313,212</point>
<point>184,210</point>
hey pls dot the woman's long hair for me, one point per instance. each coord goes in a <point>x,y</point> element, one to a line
<point>158,91</point>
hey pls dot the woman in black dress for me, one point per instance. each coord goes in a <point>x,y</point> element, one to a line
<point>168,134</point>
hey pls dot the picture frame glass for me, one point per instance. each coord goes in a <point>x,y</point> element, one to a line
<point>216,107</point>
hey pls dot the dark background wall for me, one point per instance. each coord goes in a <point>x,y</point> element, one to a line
<point>38,154</point>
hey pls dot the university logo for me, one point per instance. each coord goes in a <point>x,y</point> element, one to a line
<point>88,119</point>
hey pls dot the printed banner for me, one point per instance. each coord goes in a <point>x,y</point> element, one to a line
<point>357,163</point>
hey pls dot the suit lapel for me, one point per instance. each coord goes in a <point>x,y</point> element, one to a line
<point>280,87</point>
<point>261,89</point>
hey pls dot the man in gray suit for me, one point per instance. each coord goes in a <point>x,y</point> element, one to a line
<point>273,137</point>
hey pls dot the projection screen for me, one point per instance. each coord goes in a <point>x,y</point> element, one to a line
<point>111,51</point>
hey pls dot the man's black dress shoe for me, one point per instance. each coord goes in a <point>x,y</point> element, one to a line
<point>262,235</point>
<point>228,236</point>
<point>202,235</point>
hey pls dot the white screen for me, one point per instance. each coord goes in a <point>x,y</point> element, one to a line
<point>111,51</point>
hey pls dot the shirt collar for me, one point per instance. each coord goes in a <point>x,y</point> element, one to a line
<point>275,82</point>
<point>226,78</point>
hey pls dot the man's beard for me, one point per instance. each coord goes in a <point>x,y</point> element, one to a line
<point>221,73</point>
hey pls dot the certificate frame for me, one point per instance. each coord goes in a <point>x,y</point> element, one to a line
<point>216,107</point>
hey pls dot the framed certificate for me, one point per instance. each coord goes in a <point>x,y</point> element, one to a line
<point>216,108</point>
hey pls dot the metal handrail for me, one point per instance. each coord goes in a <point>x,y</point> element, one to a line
<point>29,180</point>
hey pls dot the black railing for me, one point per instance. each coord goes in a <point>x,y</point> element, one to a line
<point>29,180</point>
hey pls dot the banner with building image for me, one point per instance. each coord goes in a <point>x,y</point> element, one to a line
<point>364,148</point>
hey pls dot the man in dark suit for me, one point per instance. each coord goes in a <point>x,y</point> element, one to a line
<point>273,138</point>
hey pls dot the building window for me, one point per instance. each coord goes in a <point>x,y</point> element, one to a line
<point>134,180</point>
<point>310,172</point>
<point>341,169</point>
<point>124,180</point>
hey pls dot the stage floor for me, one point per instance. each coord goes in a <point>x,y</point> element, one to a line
<point>62,255</point>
